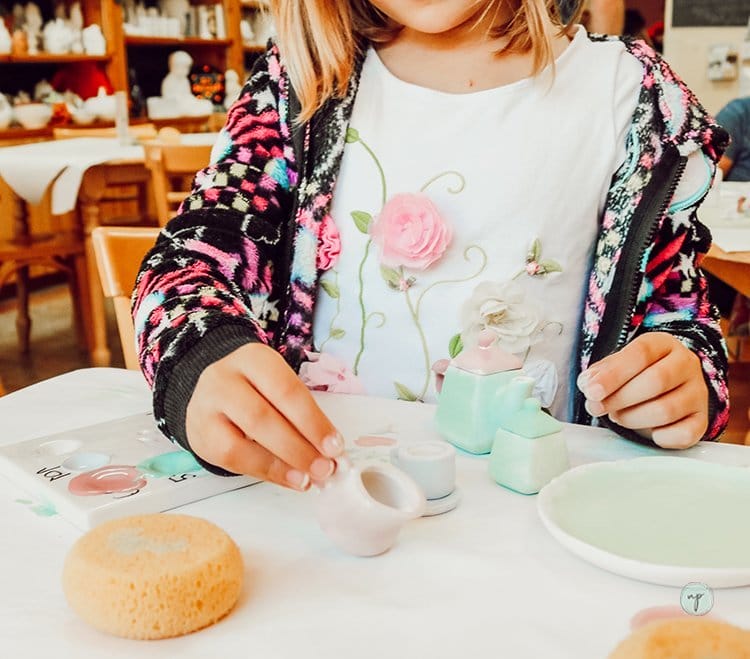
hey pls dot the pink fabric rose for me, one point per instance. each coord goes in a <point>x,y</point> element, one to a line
<point>532,268</point>
<point>410,232</point>
<point>323,372</point>
<point>329,248</point>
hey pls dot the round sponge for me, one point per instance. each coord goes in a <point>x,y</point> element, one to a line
<point>686,638</point>
<point>153,576</point>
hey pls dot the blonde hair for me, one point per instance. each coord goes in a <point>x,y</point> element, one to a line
<point>321,39</point>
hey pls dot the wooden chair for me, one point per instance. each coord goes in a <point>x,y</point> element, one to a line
<point>119,252</point>
<point>62,251</point>
<point>127,204</point>
<point>172,168</point>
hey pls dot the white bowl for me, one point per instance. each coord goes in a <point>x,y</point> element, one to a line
<point>33,115</point>
<point>162,108</point>
<point>103,107</point>
<point>6,117</point>
<point>82,117</point>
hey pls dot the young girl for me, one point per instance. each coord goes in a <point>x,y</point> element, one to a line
<point>399,175</point>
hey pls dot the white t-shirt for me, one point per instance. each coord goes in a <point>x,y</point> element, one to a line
<point>471,182</point>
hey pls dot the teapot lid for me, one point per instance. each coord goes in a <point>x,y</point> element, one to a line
<point>487,357</point>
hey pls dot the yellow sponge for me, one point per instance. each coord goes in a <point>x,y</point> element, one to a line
<point>685,638</point>
<point>153,576</point>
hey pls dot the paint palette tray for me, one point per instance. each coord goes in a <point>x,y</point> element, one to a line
<point>109,470</point>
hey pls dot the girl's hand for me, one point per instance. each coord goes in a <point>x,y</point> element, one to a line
<point>251,414</point>
<point>655,386</point>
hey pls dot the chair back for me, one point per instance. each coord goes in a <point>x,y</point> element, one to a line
<point>119,252</point>
<point>139,131</point>
<point>173,167</point>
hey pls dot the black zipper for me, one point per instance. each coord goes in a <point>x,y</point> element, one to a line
<point>298,134</point>
<point>628,278</point>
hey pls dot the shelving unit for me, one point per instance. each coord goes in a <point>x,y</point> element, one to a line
<point>177,42</point>
<point>147,55</point>
<point>46,58</point>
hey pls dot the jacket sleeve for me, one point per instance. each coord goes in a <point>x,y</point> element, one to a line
<point>211,283</point>
<point>678,302</point>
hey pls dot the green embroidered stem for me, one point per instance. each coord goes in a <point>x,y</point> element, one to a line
<point>380,169</point>
<point>467,251</point>
<point>380,315</point>
<point>338,310</point>
<point>363,312</point>
<point>461,181</point>
<point>422,339</point>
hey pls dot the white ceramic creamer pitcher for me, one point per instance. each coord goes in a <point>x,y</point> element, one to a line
<point>362,508</point>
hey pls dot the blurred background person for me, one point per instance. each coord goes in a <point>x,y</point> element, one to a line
<point>635,26</point>
<point>735,118</point>
<point>605,16</point>
<point>656,34</point>
<point>600,16</point>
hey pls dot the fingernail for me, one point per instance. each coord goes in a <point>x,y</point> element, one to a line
<point>584,379</point>
<point>594,408</point>
<point>333,446</point>
<point>299,480</point>
<point>595,392</point>
<point>321,468</point>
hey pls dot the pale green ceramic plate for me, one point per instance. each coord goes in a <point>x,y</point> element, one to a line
<point>665,520</point>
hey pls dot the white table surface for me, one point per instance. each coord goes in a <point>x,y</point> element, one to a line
<point>29,169</point>
<point>730,230</point>
<point>485,580</point>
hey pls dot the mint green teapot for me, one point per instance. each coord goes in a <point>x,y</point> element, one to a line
<point>468,406</point>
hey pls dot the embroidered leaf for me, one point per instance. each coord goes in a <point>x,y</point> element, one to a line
<point>548,265</point>
<point>455,346</point>
<point>331,288</point>
<point>534,251</point>
<point>362,220</point>
<point>391,277</point>
<point>352,135</point>
<point>337,333</point>
<point>404,393</point>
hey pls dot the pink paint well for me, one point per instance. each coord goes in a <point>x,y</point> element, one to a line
<point>107,480</point>
<point>655,613</point>
<point>367,441</point>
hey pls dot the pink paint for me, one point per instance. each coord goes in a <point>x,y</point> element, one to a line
<point>107,480</point>
<point>367,441</point>
<point>656,613</point>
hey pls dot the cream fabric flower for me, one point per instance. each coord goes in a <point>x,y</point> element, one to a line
<point>502,308</point>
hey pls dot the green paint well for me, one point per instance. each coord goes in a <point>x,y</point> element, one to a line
<point>41,509</point>
<point>44,510</point>
<point>169,464</point>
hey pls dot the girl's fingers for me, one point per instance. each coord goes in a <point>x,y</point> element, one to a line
<point>666,410</point>
<point>605,377</point>
<point>256,418</point>
<point>267,371</point>
<point>665,375</point>
<point>682,434</point>
<point>226,446</point>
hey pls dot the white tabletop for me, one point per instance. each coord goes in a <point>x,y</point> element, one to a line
<point>483,580</point>
<point>29,169</point>
<point>730,229</point>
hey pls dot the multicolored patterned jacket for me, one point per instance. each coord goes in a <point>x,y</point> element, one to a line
<point>239,263</point>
